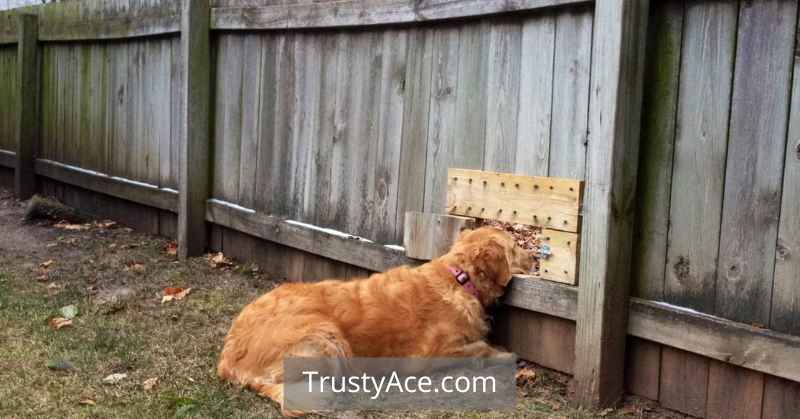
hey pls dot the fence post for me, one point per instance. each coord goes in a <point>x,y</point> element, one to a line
<point>616,92</point>
<point>27,104</point>
<point>195,159</point>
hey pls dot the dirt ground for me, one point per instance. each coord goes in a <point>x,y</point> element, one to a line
<point>163,354</point>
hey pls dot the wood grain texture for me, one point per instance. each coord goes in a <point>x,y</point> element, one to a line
<point>535,95</point>
<point>245,15</point>
<point>441,139</point>
<point>735,343</point>
<point>614,117</point>
<point>643,368</point>
<point>554,203</point>
<point>700,152</point>
<point>733,393</point>
<point>142,193</point>
<point>312,239</point>
<point>545,340</point>
<point>781,398</point>
<point>547,297</point>
<point>27,105</point>
<point>659,108</point>
<point>228,116</point>
<point>569,131</point>
<point>562,265</point>
<point>8,28</point>
<point>416,115</point>
<point>502,91</point>
<point>684,381</point>
<point>758,128</point>
<point>8,90</point>
<point>427,236</point>
<point>195,148</point>
<point>111,19</point>
<point>785,312</point>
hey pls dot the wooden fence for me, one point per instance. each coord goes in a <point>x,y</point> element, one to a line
<point>292,127</point>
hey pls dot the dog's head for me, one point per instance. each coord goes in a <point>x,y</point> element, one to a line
<point>493,255</point>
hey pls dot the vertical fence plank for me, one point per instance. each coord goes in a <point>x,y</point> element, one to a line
<point>195,142</point>
<point>617,64</point>
<point>733,392</point>
<point>536,95</point>
<point>385,187</point>
<point>27,104</point>
<point>573,43</point>
<point>758,128</point>
<point>441,139</point>
<point>781,399</point>
<point>697,184</point>
<point>416,106</point>
<point>325,131</point>
<point>786,292</point>
<point>649,256</point>
<point>700,147</point>
<point>684,381</point>
<point>660,104</point>
<point>502,89</point>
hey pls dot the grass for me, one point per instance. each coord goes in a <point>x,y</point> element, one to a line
<point>177,342</point>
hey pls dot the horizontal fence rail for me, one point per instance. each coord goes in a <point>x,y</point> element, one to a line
<point>360,13</point>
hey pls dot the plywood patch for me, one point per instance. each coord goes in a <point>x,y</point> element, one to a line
<point>542,201</point>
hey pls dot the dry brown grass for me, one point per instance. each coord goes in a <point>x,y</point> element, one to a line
<point>115,277</point>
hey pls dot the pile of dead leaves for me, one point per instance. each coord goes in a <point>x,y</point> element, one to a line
<point>527,236</point>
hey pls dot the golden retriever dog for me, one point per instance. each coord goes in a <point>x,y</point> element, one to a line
<point>435,310</point>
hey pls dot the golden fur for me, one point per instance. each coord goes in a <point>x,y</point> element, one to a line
<point>404,312</point>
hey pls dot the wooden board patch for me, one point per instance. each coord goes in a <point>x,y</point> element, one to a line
<point>552,203</point>
<point>562,264</point>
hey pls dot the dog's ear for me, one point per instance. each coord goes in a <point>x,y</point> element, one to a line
<point>492,259</point>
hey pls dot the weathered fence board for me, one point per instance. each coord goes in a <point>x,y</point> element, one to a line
<point>786,293</point>
<point>108,107</point>
<point>108,19</point>
<point>249,15</point>
<point>660,102</point>
<point>759,115</point>
<point>8,91</point>
<point>535,95</point>
<point>569,126</point>
<point>700,147</point>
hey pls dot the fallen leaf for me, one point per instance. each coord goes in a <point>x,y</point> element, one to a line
<point>172,249</point>
<point>135,267</point>
<point>59,365</point>
<point>63,225</point>
<point>59,322</point>
<point>525,375</point>
<point>150,383</point>
<point>115,378</point>
<point>106,224</point>
<point>172,293</point>
<point>42,278</point>
<point>219,260</point>
<point>46,264</point>
<point>69,312</point>
<point>112,245</point>
<point>51,245</point>
<point>87,402</point>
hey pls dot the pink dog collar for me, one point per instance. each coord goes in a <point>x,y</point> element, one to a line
<point>463,279</point>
